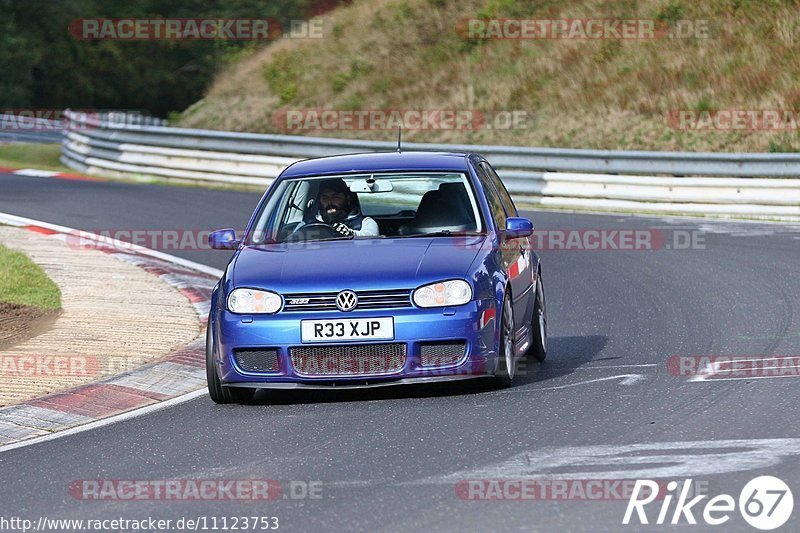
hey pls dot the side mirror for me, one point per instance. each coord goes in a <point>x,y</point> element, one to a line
<point>517,227</point>
<point>223,239</point>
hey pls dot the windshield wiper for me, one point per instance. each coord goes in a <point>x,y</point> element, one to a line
<point>327,239</point>
<point>446,233</point>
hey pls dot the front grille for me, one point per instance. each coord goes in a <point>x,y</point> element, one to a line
<point>350,359</point>
<point>257,360</point>
<point>391,299</point>
<point>440,354</point>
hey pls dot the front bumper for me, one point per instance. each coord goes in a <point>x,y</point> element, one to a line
<point>472,323</point>
<point>355,384</point>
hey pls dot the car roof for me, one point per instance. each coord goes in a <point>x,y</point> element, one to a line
<point>378,162</point>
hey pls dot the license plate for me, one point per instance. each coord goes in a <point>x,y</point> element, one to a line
<point>347,330</point>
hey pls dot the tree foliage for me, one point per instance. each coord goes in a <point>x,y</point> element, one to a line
<point>43,66</point>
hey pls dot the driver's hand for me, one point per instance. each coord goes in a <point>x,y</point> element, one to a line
<point>344,230</point>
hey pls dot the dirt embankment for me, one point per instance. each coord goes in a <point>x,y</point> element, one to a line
<point>21,322</point>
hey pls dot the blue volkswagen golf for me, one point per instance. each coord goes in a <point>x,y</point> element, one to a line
<point>373,270</point>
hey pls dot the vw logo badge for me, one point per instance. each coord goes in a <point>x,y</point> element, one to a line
<point>346,301</point>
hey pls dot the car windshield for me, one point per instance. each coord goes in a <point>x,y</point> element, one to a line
<point>396,205</point>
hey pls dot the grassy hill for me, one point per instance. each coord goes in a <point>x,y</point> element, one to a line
<point>615,94</point>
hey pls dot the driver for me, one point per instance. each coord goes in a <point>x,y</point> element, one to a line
<point>338,207</point>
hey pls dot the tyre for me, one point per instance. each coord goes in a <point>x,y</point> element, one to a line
<point>218,393</point>
<point>506,361</point>
<point>538,349</point>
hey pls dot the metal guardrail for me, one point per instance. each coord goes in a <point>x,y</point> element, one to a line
<point>752,185</point>
<point>18,128</point>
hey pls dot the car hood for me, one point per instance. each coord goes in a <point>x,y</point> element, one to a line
<point>358,264</point>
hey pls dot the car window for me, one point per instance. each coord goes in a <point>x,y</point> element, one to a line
<point>508,203</point>
<point>269,211</point>
<point>296,205</point>
<point>493,198</point>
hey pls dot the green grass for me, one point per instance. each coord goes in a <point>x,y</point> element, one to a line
<point>23,282</point>
<point>39,156</point>
<point>45,157</point>
<point>411,54</point>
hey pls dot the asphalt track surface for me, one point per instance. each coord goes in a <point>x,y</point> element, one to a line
<point>390,459</point>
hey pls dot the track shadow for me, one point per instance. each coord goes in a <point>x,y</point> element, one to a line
<point>564,356</point>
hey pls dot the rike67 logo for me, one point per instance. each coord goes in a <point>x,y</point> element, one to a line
<point>765,503</point>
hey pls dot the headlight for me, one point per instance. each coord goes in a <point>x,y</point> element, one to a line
<point>252,301</point>
<point>443,294</point>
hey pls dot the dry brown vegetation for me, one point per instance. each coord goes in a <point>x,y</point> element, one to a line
<point>407,54</point>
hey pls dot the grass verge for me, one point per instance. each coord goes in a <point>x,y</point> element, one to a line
<point>45,157</point>
<point>31,155</point>
<point>25,283</point>
<point>572,92</point>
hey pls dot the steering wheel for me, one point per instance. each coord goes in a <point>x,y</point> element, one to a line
<point>313,231</point>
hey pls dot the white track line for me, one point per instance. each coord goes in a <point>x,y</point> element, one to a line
<point>598,367</point>
<point>14,220</point>
<point>107,421</point>
<point>35,173</point>
<point>627,379</point>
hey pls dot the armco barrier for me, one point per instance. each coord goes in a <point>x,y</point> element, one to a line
<point>20,128</point>
<point>738,185</point>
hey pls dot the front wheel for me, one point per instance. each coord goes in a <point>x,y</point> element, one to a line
<point>218,393</point>
<point>506,360</point>
<point>538,349</point>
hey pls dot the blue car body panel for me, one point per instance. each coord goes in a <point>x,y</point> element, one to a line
<point>378,162</point>
<point>486,262</point>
